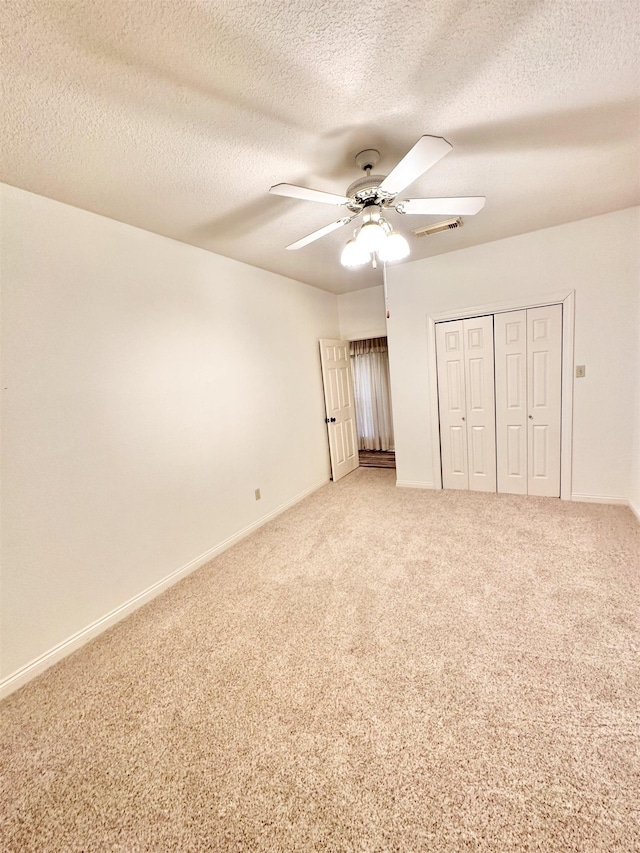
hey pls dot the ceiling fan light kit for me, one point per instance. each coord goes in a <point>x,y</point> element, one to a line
<point>354,255</point>
<point>374,238</point>
<point>394,248</point>
<point>371,195</point>
<point>372,234</point>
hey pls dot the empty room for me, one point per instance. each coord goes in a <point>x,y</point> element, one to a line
<point>320,437</point>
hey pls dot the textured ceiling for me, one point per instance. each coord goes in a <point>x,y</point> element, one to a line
<point>178,115</point>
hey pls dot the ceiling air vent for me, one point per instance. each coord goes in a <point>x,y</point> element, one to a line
<point>445,225</point>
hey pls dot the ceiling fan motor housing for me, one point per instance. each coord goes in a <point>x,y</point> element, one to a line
<point>365,191</point>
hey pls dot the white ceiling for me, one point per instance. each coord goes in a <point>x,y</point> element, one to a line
<point>178,115</point>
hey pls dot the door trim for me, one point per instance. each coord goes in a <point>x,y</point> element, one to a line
<point>564,298</point>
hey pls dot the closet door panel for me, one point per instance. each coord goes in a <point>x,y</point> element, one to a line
<point>456,460</point>
<point>452,403</point>
<point>479,388</point>
<point>511,401</point>
<point>544,357</point>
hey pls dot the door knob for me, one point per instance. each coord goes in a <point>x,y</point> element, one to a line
<point>530,417</point>
<point>463,419</point>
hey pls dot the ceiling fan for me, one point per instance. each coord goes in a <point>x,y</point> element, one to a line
<point>372,195</point>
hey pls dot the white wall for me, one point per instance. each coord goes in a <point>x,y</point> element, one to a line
<point>598,258</point>
<point>362,314</point>
<point>149,388</point>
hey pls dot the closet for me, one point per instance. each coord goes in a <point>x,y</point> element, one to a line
<point>467,409</point>
<point>499,396</point>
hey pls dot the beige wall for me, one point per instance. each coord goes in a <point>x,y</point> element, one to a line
<point>598,258</point>
<point>149,388</point>
<point>362,314</point>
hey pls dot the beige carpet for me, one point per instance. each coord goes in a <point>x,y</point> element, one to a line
<point>379,669</point>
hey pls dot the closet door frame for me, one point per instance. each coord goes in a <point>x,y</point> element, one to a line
<point>567,300</point>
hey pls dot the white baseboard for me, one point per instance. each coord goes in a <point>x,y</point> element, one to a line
<point>26,673</point>
<point>634,509</point>
<point>600,499</point>
<point>414,484</point>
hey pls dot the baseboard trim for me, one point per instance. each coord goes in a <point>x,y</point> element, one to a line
<point>600,499</point>
<point>634,509</point>
<point>414,484</point>
<point>28,672</point>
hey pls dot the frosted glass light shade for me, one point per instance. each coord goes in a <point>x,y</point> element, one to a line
<point>394,248</point>
<point>371,236</point>
<point>354,255</point>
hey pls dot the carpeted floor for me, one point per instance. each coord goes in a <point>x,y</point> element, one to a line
<point>378,669</point>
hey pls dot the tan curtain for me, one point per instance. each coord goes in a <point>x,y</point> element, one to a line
<point>368,345</point>
<point>370,363</point>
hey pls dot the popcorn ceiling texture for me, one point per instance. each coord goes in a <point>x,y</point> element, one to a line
<point>177,115</point>
<point>378,669</point>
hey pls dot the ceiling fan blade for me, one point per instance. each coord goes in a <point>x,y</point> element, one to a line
<point>436,206</point>
<point>321,232</point>
<point>424,154</point>
<point>292,191</point>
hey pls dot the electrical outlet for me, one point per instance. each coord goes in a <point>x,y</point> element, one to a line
<point>580,371</point>
<point>257,494</point>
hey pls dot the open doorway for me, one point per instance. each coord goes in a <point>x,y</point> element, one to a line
<point>372,397</point>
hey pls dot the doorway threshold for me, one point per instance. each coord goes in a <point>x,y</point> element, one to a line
<point>377,458</point>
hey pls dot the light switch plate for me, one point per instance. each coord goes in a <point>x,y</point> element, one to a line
<point>580,371</point>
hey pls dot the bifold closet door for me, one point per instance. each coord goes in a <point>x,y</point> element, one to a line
<point>481,425</point>
<point>528,354</point>
<point>452,403</point>
<point>511,401</point>
<point>544,374</point>
<point>467,407</point>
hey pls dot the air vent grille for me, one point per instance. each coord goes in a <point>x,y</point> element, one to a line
<point>445,225</point>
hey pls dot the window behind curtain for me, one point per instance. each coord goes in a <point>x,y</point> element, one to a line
<point>372,386</point>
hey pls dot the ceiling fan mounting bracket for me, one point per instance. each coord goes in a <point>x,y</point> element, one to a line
<point>367,159</point>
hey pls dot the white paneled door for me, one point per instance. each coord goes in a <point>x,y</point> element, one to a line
<point>453,406</point>
<point>466,398</point>
<point>511,402</point>
<point>528,400</point>
<point>544,371</point>
<point>339,405</point>
<point>481,425</point>
<point>508,441</point>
